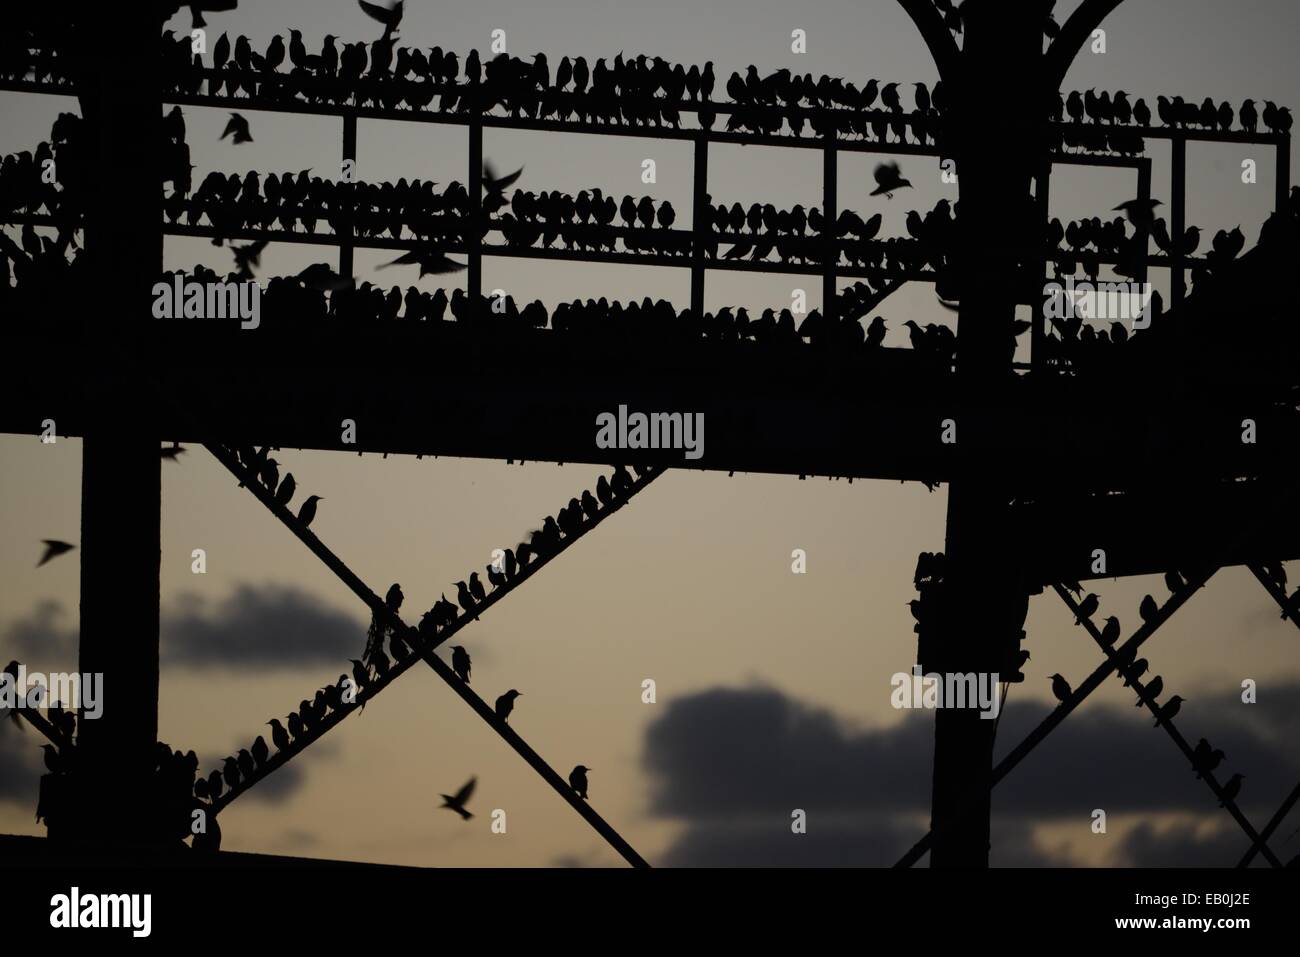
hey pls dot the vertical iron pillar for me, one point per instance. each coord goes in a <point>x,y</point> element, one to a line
<point>1178,217</point>
<point>474,241</point>
<point>110,797</point>
<point>700,224</point>
<point>998,231</point>
<point>1283,179</point>
<point>349,154</point>
<point>831,254</point>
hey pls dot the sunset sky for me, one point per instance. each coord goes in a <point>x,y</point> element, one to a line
<point>773,687</point>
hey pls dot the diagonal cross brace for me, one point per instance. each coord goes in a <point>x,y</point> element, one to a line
<point>1224,801</point>
<point>1279,595</point>
<point>1089,685</point>
<point>425,649</point>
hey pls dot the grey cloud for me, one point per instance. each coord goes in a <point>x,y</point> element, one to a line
<point>268,626</point>
<point>733,763</point>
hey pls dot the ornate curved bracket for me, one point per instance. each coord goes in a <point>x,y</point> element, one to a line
<point>942,46</point>
<point>1086,18</point>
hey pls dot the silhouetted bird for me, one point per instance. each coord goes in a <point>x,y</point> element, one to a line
<point>506,704</point>
<point>360,675</point>
<point>390,14</point>
<point>1168,710</point>
<point>53,549</point>
<point>888,179</point>
<point>284,494</point>
<point>269,473</point>
<point>279,736</point>
<point>248,257</point>
<point>1139,211</point>
<point>476,588</point>
<point>460,662</point>
<point>230,771</point>
<point>1110,633</point>
<point>247,766</point>
<point>464,598</point>
<point>1148,609</point>
<point>1206,760</point>
<point>1087,608</point>
<point>578,780</point>
<point>1135,671</point>
<point>1151,691</point>
<point>1060,688</point>
<point>496,186</point>
<point>432,262</point>
<point>260,751</point>
<point>238,126</point>
<point>1249,116</point>
<point>1174,582</point>
<point>1232,789</point>
<point>215,787</point>
<point>456,802</point>
<point>308,510</point>
<point>393,600</point>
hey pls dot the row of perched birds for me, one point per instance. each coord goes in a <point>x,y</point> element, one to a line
<point>636,89</point>
<point>394,210</point>
<point>388,647</point>
<point>1131,670</point>
<point>320,295</point>
<point>1174,112</point>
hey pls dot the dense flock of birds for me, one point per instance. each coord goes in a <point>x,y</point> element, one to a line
<point>433,220</point>
<point>634,90</point>
<point>1131,670</point>
<point>388,651</point>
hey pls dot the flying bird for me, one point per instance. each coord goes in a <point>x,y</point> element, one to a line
<point>53,549</point>
<point>888,179</point>
<point>247,257</point>
<point>238,126</point>
<point>578,780</point>
<point>456,802</point>
<point>390,15</point>
<point>432,262</point>
<point>497,184</point>
<point>1139,211</point>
